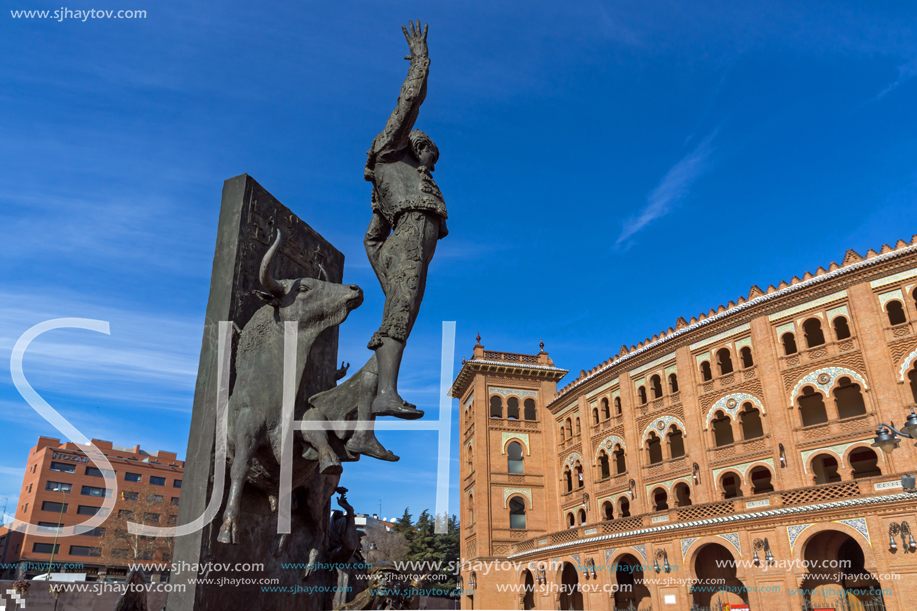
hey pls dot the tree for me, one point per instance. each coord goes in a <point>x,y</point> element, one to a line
<point>143,505</point>
<point>391,546</point>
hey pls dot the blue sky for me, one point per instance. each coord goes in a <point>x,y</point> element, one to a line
<point>608,167</point>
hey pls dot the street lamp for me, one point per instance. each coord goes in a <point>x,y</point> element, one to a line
<point>887,435</point>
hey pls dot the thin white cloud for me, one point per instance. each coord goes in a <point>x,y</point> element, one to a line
<point>905,73</point>
<point>671,189</point>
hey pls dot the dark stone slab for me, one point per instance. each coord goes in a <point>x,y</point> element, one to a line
<point>249,217</point>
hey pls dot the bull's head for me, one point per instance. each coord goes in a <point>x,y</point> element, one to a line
<point>309,301</point>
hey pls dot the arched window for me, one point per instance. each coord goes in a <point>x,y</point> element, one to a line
<point>682,494</point>
<point>595,415</point>
<point>608,511</point>
<point>724,361</point>
<point>620,460</point>
<point>841,328</point>
<point>496,407</point>
<point>849,399</point>
<point>579,475</point>
<point>912,378</point>
<point>569,424</point>
<point>731,486</point>
<point>582,516</point>
<point>656,385</point>
<point>812,407</point>
<point>618,410</point>
<point>865,463</point>
<point>623,507</point>
<point>512,408</point>
<point>789,344</point>
<point>471,509</point>
<point>578,429</point>
<point>604,466</point>
<point>517,513</point>
<point>654,448</point>
<point>606,411</point>
<point>660,499</point>
<point>761,480</point>
<point>747,361</point>
<point>563,435</point>
<point>673,383</point>
<point>750,419</point>
<point>824,469</point>
<point>895,312</point>
<point>706,373</point>
<point>641,395</point>
<point>529,409</point>
<point>470,458</point>
<point>571,521</point>
<point>811,329</point>
<point>514,458</point>
<point>676,442</point>
<point>722,429</point>
<point>568,479</point>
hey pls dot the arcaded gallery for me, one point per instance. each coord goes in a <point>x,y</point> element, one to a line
<point>736,458</point>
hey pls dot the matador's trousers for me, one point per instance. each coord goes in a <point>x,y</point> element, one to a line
<point>405,257</point>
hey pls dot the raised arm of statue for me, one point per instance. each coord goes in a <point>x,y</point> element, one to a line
<point>395,135</point>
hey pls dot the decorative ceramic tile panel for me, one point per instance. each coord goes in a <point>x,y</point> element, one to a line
<point>743,342</point>
<point>506,392</point>
<point>652,365</point>
<point>526,492</point>
<point>840,311</point>
<point>602,388</point>
<point>794,531</point>
<point>806,306</point>
<point>522,437</point>
<point>838,449</point>
<point>734,539</point>
<point>660,425</point>
<point>608,443</point>
<point>721,336</point>
<point>824,379</point>
<point>671,369</point>
<point>894,278</point>
<point>731,404</point>
<point>787,328</point>
<point>608,554</point>
<point>742,468</point>
<point>576,560</point>
<point>571,460</point>
<point>686,545</point>
<point>859,525</point>
<point>886,297</point>
<point>641,549</point>
<point>906,365</point>
<point>668,483</point>
<point>703,357</point>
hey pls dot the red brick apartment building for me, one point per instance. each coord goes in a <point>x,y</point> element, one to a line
<point>743,434</point>
<point>59,476</point>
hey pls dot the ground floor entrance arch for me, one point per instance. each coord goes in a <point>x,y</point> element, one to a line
<point>717,581</point>
<point>837,575</point>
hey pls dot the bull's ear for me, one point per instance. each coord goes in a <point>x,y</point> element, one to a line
<point>265,297</point>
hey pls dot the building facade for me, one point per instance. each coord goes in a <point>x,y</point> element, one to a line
<point>61,487</point>
<point>726,460</point>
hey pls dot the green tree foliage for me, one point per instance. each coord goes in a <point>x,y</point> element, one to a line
<point>425,546</point>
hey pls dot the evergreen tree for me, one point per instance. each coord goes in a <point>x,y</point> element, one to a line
<point>405,525</point>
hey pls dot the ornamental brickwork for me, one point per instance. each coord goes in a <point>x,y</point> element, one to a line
<point>726,460</point>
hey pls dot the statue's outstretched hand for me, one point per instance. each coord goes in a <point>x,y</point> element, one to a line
<point>417,40</point>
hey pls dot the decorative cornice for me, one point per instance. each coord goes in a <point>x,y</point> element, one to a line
<point>482,365</point>
<point>873,500</point>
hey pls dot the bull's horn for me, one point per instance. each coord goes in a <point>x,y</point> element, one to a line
<point>267,280</point>
<point>322,273</point>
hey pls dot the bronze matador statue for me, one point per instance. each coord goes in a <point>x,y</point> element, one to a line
<point>409,217</point>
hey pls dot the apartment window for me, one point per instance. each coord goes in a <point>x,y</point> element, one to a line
<point>93,472</point>
<point>93,491</point>
<point>151,517</point>
<point>46,548</point>
<point>87,510</point>
<point>52,506</point>
<point>30,488</point>
<point>172,519</point>
<point>174,501</point>
<point>176,483</point>
<point>96,532</point>
<point>82,550</point>
<point>127,495</point>
<point>63,467</point>
<point>132,477</point>
<point>157,481</point>
<point>58,487</point>
<point>49,527</point>
<point>3,541</point>
<point>126,514</point>
<point>154,498</point>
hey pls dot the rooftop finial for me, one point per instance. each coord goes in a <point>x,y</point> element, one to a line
<point>479,338</point>
<point>541,345</point>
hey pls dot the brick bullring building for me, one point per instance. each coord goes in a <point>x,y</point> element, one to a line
<point>744,434</point>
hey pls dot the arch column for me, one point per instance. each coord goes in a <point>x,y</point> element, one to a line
<point>831,407</point>
<point>844,470</point>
